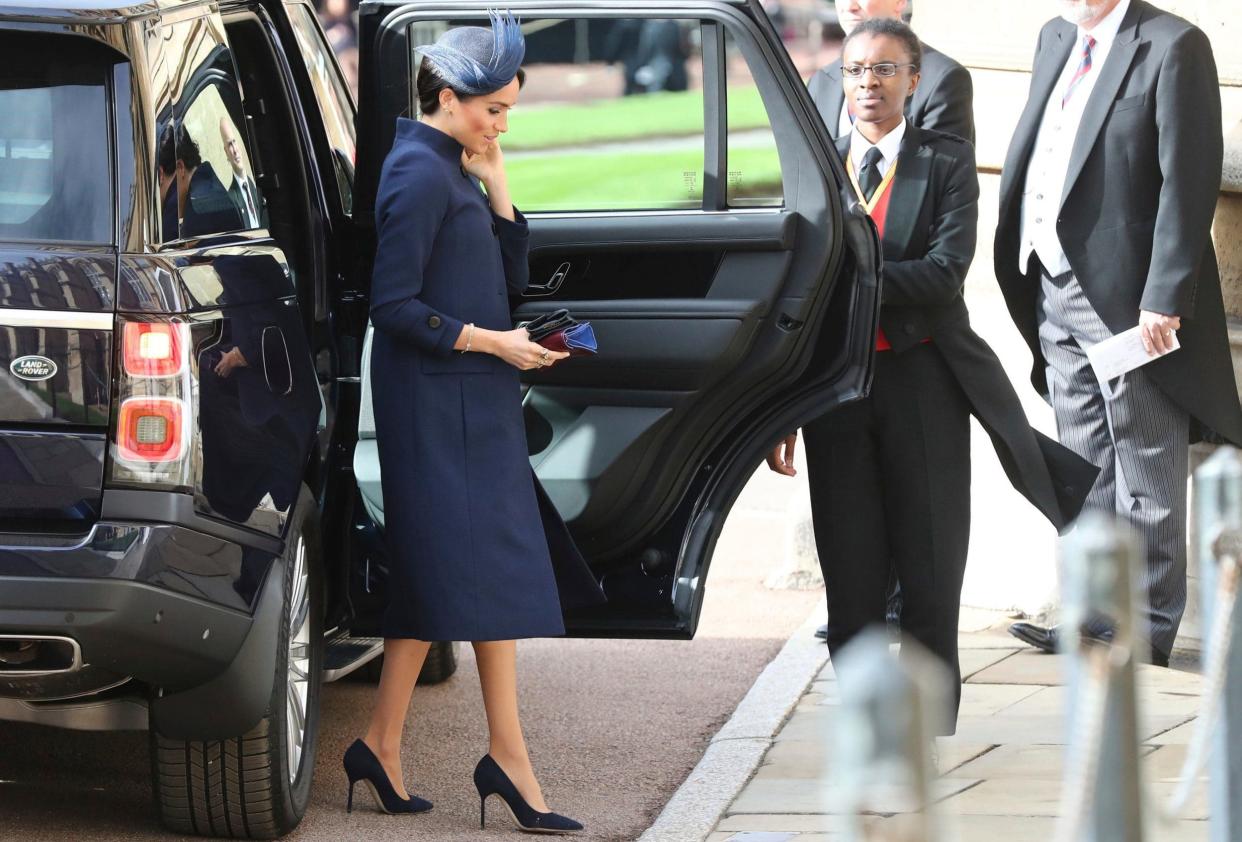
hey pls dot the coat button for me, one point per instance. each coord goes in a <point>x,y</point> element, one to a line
<point>909,329</point>
<point>434,321</point>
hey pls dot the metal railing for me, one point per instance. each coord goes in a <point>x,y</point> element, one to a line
<point>885,756</point>
<point>1101,794</point>
<point>884,746</point>
<point>1217,738</point>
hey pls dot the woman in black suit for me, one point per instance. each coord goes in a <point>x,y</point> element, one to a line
<point>889,475</point>
<point>468,527</point>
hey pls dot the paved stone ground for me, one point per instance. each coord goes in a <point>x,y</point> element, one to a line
<point>1000,774</point>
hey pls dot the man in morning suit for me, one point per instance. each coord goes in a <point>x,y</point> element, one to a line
<point>1106,207</point>
<point>889,475</point>
<point>943,100</point>
<point>243,191</point>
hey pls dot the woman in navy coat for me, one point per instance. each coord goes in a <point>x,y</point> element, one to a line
<point>468,527</point>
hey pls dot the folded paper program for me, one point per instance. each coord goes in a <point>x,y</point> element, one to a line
<point>1121,354</point>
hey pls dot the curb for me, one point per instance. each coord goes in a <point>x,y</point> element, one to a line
<point>737,749</point>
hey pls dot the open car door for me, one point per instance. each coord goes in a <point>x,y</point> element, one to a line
<point>683,196</point>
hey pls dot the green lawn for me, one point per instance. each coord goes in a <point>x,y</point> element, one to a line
<point>626,118</point>
<point>642,180</point>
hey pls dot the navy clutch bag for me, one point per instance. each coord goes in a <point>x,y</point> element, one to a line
<point>559,331</point>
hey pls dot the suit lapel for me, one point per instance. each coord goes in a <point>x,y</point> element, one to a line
<point>1045,76</point>
<point>1112,75</point>
<point>909,189</point>
<point>843,149</point>
<point>836,98</point>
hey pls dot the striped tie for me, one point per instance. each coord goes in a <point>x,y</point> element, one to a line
<point>1084,67</point>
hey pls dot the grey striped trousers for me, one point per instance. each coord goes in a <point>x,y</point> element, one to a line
<point>1139,438</point>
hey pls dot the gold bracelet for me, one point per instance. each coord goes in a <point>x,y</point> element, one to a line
<point>469,338</point>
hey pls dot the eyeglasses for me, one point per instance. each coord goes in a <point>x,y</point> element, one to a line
<point>883,70</point>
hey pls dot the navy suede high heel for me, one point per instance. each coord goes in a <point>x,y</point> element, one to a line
<point>490,779</point>
<point>361,764</point>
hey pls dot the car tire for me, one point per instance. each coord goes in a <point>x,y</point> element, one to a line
<point>257,785</point>
<point>440,665</point>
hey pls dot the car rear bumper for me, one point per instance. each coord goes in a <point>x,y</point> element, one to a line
<point>124,630</point>
<point>206,666</point>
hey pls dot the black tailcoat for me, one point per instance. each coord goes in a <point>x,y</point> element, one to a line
<point>1136,212</point>
<point>929,242</point>
<point>890,474</point>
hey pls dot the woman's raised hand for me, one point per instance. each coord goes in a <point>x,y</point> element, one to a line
<point>486,166</point>
<point>515,348</point>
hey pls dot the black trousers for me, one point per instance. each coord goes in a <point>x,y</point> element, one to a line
<point>890,489</point>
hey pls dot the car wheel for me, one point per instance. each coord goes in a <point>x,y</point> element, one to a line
<point>257,785</point>
<point>440,665</point>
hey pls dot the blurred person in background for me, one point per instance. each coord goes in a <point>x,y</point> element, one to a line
<point>339,20</point>
<point>653,53</point>
<point>943,101</point>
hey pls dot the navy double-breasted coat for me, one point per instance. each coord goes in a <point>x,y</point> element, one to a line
<point>467,527</point>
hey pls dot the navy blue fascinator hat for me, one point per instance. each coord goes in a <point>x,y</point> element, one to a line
<point>477,60</point>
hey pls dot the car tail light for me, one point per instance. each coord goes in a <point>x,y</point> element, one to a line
<point>152,443</point>
<point>149,430</point>
<point>152,349</point>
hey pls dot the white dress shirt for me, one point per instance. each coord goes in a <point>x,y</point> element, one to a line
<point>1054,143</point>
<point>250,196</point>
<point>889,146</point>
<point>844,123</point>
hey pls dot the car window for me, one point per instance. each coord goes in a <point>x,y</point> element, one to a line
<point>206,179</point>
<point>55,175</point>
<point>335,104</point>
<point>610,116</point>
<point>754,168</point>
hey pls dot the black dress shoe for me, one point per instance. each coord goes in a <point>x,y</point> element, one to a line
<point>1048,639</point>
<point>1042,638</point>
<point>822,632</point>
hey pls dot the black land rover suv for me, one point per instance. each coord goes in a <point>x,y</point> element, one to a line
<point>190,516</point>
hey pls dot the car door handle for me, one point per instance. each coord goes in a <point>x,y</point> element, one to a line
<point>553,283</point>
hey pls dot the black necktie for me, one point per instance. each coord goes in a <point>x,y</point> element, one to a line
<point>869,176</point>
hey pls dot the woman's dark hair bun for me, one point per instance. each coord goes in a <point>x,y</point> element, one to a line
<point>430,83</point>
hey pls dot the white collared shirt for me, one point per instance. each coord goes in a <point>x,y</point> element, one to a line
<point>889,146</point>
<point>248,192</point>
<point>845,123</point>
<point>1054,143</point>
